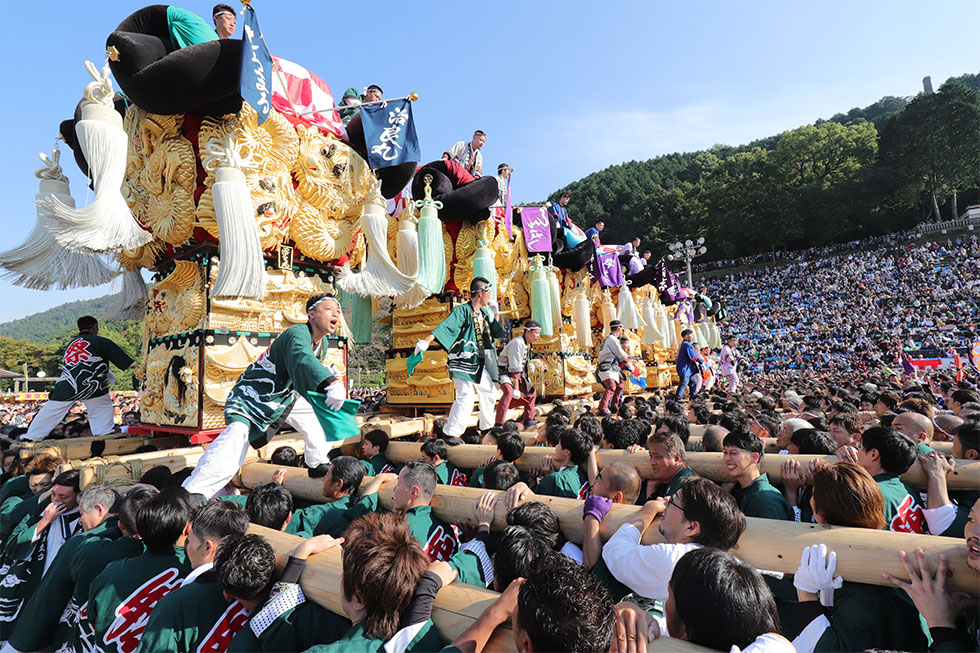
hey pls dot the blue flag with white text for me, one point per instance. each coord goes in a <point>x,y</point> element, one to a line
<point>389,134</point>
<point>255,83</point>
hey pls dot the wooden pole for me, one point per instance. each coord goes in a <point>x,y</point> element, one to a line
<point>121,470</point>
<point>862,554</point>
<point>709,465</point>
<point>456,606</point>
<point>69,449</point>
<point>945,448</point>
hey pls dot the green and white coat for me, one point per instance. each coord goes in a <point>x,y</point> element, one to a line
<point>91,558</point>
<point>194,617</point>
<point>269,386</point>
<point>122,597</point>
<point>903,509</point>
<point>27,558</point>
<point>469,352</point>
<point>570,482</point>
<point>287,621</point>
<point>85,367</point>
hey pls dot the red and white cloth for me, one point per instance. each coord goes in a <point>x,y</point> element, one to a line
<point>306,92</point>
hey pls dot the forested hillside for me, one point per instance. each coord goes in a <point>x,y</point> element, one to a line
<point>40,339</point>
<point>882,168</point>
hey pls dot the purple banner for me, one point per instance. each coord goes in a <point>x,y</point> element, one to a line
<point>537,230</point>
<point>509,213</point>
<point>607,269</point>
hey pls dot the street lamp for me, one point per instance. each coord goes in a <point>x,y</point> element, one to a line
<point>685,252</point>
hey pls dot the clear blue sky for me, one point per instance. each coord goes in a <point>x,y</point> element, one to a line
<point>561,88</point>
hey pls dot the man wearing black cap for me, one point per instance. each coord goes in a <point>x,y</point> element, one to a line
<point>224,20</point>
<point>513,361</point>
<point>611,357</point>
<point>468,334</point>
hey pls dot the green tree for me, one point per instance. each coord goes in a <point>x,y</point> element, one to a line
<point>931,147</point>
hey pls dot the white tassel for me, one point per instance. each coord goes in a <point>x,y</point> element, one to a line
<point>131,303</point>
<point>651,333</point>
<point>408,263</point>
<point>379,277</point>
<point>107,224</point>
<point>627,313</point>
<point>582,318</point>
<point>241,272</point>
<point>40,263</point>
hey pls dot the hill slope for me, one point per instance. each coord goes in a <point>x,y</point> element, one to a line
<point>50,327</point>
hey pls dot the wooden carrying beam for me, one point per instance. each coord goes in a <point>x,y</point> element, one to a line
<point>709,465</point>
<point>456,607</point>
<point>122,470</point>
<point>862,554</point>
<point>69,449</point>
<point>945,448</point>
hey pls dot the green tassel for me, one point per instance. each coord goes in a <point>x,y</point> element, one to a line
<point>483,266</point>
<point>361,319</point>
<point>541,310</point>
<point>344,298</point>
<point>555,294</point>
<point>432,252</point>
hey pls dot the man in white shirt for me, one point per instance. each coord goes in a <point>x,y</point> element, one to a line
<point>700,514</point>
<point>729,363</point>
<point>503,177</point>
<point>468,155</point>
<point>514,377</point>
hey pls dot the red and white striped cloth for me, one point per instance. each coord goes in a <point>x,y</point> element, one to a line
<point>305,92</point>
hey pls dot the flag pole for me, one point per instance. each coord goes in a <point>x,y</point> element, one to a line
<point>411,98</point>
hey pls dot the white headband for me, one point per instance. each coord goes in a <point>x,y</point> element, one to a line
<point>321,300</point>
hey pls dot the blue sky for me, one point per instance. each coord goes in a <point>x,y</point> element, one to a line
<point>561,88</point>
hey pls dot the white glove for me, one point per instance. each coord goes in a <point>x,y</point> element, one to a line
<point>494,309</point>
<point>816,571</point>
<point>336,394</point>
<point>421,346</point>
<point>112,378</point>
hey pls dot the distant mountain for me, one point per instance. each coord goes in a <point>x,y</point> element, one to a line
<point>50,327</point>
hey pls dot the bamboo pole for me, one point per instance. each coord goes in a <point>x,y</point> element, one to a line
<point>862,554</point>
<point>709,465</point>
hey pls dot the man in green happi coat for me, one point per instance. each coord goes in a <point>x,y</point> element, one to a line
<point>275,389</point>
<point>886,454</point>
<point>280,616</point>
<point>467,334</point>
<point>34,545</point>
<point>196,616</point>
<point>39,625</point>
<point>373,450</point>
<point>92,557</point>
<point>756,496</point>
<point>122,597</point>
<point>84,377</point>
<point>415,485</point>
<point>340,485</point>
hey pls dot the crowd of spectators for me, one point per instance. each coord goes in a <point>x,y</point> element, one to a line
<point>857,311</point>
<point>809,254</point>
<point>15,416</point>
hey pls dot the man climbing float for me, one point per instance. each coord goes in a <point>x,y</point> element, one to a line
<point>611,359</point>
<point>275,389</point>
<point>467,334</point>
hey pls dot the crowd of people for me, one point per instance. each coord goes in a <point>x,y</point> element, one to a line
<point>857,312</point>
<point>160,568</point>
